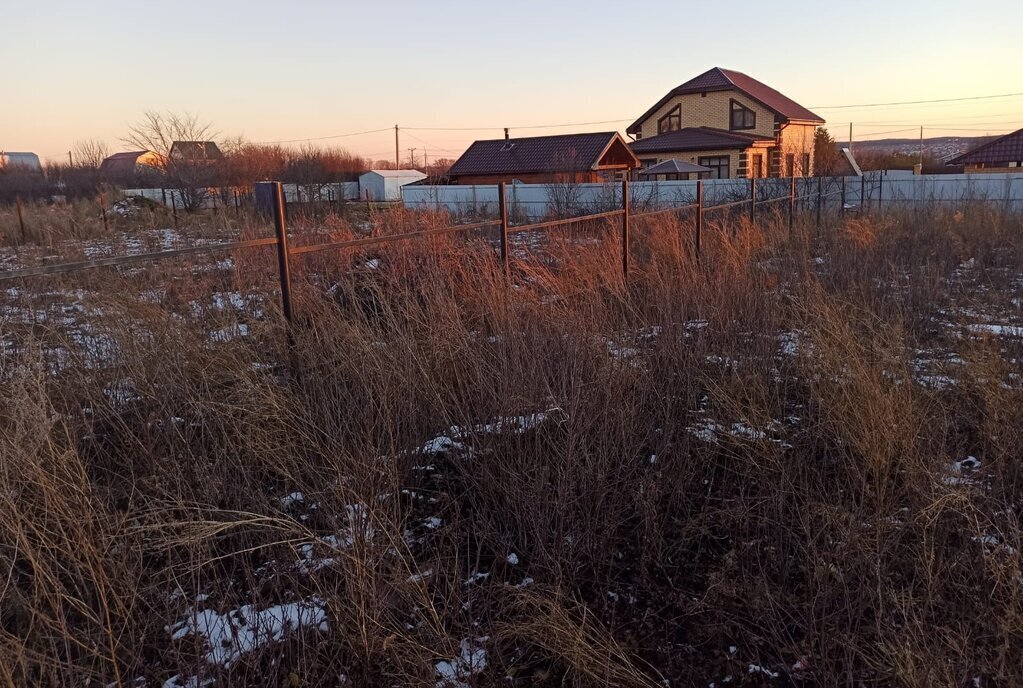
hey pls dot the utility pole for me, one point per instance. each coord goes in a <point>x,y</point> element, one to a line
<point>70,162</point>
<point>411,157</point>
<point>397,163</point>
<point>921,149</point>
<point>850,138</point>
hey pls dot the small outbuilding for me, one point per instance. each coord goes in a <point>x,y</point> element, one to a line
<point>129,164</point>
<point>385,185</point>
<point>25,162</point>
<point>567,158</point>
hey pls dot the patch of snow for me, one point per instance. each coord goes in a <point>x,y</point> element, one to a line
<point>757,669</point>
<point>471,660</point>
<point>239,631</point>
<point>513,559</point>
<point>997,330</point>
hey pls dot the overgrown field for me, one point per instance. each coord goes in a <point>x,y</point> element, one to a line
<point>795,462</point>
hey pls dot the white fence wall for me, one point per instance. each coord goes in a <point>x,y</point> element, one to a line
<point>890,189</point>
<point>293,193</point>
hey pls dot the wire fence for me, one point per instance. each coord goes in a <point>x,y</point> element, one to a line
<point>794,195</point>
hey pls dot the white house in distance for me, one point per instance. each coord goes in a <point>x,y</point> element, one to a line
<point>27,162</point>
<point>385,185</point>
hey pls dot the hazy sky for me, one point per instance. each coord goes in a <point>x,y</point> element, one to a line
<point>277,70</point>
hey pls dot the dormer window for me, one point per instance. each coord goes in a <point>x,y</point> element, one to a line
<point>671,121</point>
<point>741,117</point>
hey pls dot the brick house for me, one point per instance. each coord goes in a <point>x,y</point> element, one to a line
<point>731,123</point>
<point>566,158</point>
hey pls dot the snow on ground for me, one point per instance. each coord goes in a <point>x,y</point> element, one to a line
<point>227,637</point>
<point>458,671</point>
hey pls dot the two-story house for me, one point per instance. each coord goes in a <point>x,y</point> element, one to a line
<point>730,123</point>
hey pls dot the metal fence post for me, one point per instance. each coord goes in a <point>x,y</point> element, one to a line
<point>21,219</point>
<point>625,229</point>
<point>699,217</point>
<point>863,192</point>
<point>820,199</point>
<point>880,190</point>
<point>843,195</point>
<point>792,202</point>
<point>752,199</point>
<point>283,262</point>
<point>502,205</point>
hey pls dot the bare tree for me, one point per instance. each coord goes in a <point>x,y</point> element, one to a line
<point>89,153</point>
<point>192,175</point>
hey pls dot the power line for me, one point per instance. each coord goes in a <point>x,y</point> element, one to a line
<point>531,126</point>
<point>915,102</point>
<point>324,138</point>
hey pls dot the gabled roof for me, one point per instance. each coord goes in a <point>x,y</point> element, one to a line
<point>536,154</point>
<point>695,139</point>
<point>196,150</point>
<point>1008,148</point>
<point>718,79</point>
<point>674,167</point>
<point>396,173</point>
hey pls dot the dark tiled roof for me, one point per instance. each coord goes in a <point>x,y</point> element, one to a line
<point>1008,148</point>
<point>695,139</point>
<point>534,155</point>
<point>718,79</point>
<point>195,150</point>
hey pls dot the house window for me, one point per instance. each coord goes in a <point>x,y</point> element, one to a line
<point>758,166</point>
<point>741,116</point>
<point>790,165</point>
<point>806,164</point>
<point>671,121</point>
<point>718,165</point>
<point>647,162</point>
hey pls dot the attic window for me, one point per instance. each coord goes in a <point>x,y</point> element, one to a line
<point>741,117</point>
<point>507,147</point>
<point>671,121</point>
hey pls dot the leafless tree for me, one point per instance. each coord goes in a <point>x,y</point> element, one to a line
<point>89,153</point>
<point>157,132</point>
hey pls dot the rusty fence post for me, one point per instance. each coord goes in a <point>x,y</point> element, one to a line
<point>21,219</point>
<point>820,199</point>
<point>843,194</point>
<point>502,206</point>
<point>699,218</point>
<point>283,258</point>
<point>792,202</point>
<point>174,208</point>
<point>103,210</point>
<point>752,199</point>
<point>880,189</point>
<point>625,229</point>
<point>863,194</point>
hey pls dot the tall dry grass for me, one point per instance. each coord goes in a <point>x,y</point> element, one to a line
<point>722,468</point>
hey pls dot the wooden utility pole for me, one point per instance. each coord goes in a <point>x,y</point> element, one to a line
<point>850,138</point>
<point>397,163</point>
<point>921,149</point>
<point>70,160</point>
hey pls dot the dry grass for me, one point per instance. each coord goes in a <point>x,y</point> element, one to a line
<point>742,467</point>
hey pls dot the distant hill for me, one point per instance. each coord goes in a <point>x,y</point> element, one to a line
<point>939,147</point>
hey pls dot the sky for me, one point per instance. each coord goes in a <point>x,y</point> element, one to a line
<point>451,71</point>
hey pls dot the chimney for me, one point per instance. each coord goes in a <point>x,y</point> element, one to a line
<point>506,133</point>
